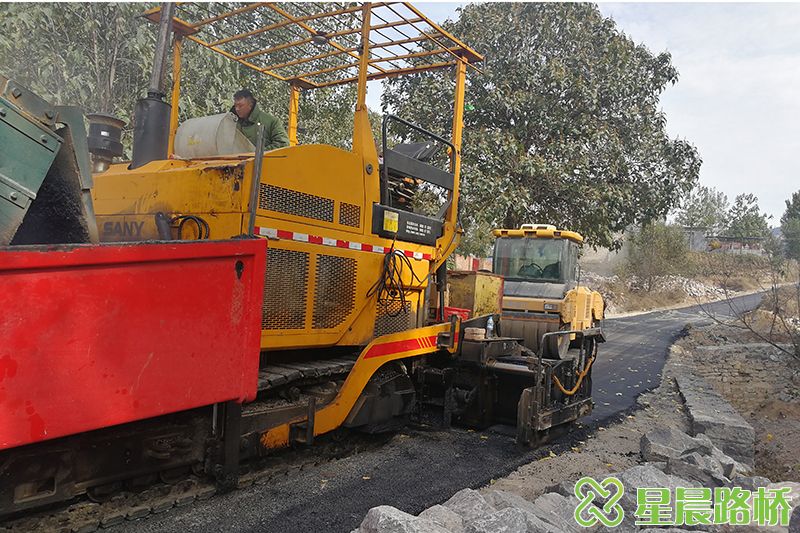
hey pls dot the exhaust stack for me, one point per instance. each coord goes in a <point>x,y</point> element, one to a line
<point>151,116</point>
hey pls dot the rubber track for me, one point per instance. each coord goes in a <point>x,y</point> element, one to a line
<point>277,375</point>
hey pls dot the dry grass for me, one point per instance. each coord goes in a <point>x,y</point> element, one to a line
<point>627,299</point>
<point>735,273</point>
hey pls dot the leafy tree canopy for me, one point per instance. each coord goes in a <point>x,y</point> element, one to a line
<point>790,226</point>
<point>792,208</point>
<point>656,250</point>
<point>745,218</point>
<point>705,207</point>
<point>563,126</point>
<point>99,56</point>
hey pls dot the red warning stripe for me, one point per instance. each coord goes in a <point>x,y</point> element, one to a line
<point>272,233</point>
<point>407,345</point>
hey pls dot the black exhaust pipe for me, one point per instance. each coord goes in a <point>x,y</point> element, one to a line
<point>150,130</point>
<point>151,116</point>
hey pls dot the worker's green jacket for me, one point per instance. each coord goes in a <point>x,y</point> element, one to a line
<point>274,134</point>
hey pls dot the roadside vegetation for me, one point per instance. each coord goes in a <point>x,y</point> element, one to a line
<point>661,270</point>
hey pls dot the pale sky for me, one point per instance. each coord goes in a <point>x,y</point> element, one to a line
<point>738,95</point>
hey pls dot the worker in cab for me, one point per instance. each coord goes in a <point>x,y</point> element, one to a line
<point>250,116</point>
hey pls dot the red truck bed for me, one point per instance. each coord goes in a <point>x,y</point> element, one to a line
<point>92,336</point>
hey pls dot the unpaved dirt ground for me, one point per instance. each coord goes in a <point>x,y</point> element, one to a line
<point>777,426</point>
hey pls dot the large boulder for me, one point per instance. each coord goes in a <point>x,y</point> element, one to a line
<point>664,443</point>
<point>794,523</point>
<point>711,414</point>
<point>387,519</point>
<point>751,483</point>
<point>509,520</point>
<point>500,499</point>
<point>794,502</point>
<point>441,515</point>
<point>702,469</point>
<point>559,511</point>
<point>469,504</point>
<point>730,466</point>
<point>644,476</point>
<point>664,530</point>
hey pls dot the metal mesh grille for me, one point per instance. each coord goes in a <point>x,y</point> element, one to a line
<point>285,287</point>
<point>296,203</point>
<point>349,215</point>
<point>392,317</point>
<point>335,293</point>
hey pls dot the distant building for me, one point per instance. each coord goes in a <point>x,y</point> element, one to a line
<point>471,262</point>
<point>701,239</point>
<point>736,245</point>
<point>697,237</point>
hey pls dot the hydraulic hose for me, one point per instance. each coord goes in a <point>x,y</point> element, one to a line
<point>582,374</point>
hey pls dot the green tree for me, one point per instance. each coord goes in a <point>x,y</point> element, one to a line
<point>790,227</point>
<point>745,219</point>
<point>95,55</point>
<point>99,55</point>
<point>792,207</point>
<point>563,123</point>
<point>705,207</point>
<point>656,250</point>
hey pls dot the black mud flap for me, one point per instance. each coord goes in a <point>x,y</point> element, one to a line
<point>386,403</point>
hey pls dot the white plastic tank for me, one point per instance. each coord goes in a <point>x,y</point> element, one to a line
<point>210,136</point>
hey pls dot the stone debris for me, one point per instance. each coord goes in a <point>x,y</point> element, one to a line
<point>689,462</point>
<point>709,413</point>
<point>387,519</point>
<point>613,288</point>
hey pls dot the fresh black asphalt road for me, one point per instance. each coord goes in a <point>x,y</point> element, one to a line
<point>420,468</point>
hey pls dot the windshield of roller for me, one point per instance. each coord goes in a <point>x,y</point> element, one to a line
<point>529,259</point>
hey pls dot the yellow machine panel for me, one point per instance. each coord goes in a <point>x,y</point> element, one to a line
<point>322,260</point>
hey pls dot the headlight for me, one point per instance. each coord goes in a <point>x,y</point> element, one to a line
<point>550,307</point>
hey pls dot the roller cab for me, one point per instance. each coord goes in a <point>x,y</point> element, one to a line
<point>542,291</point>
